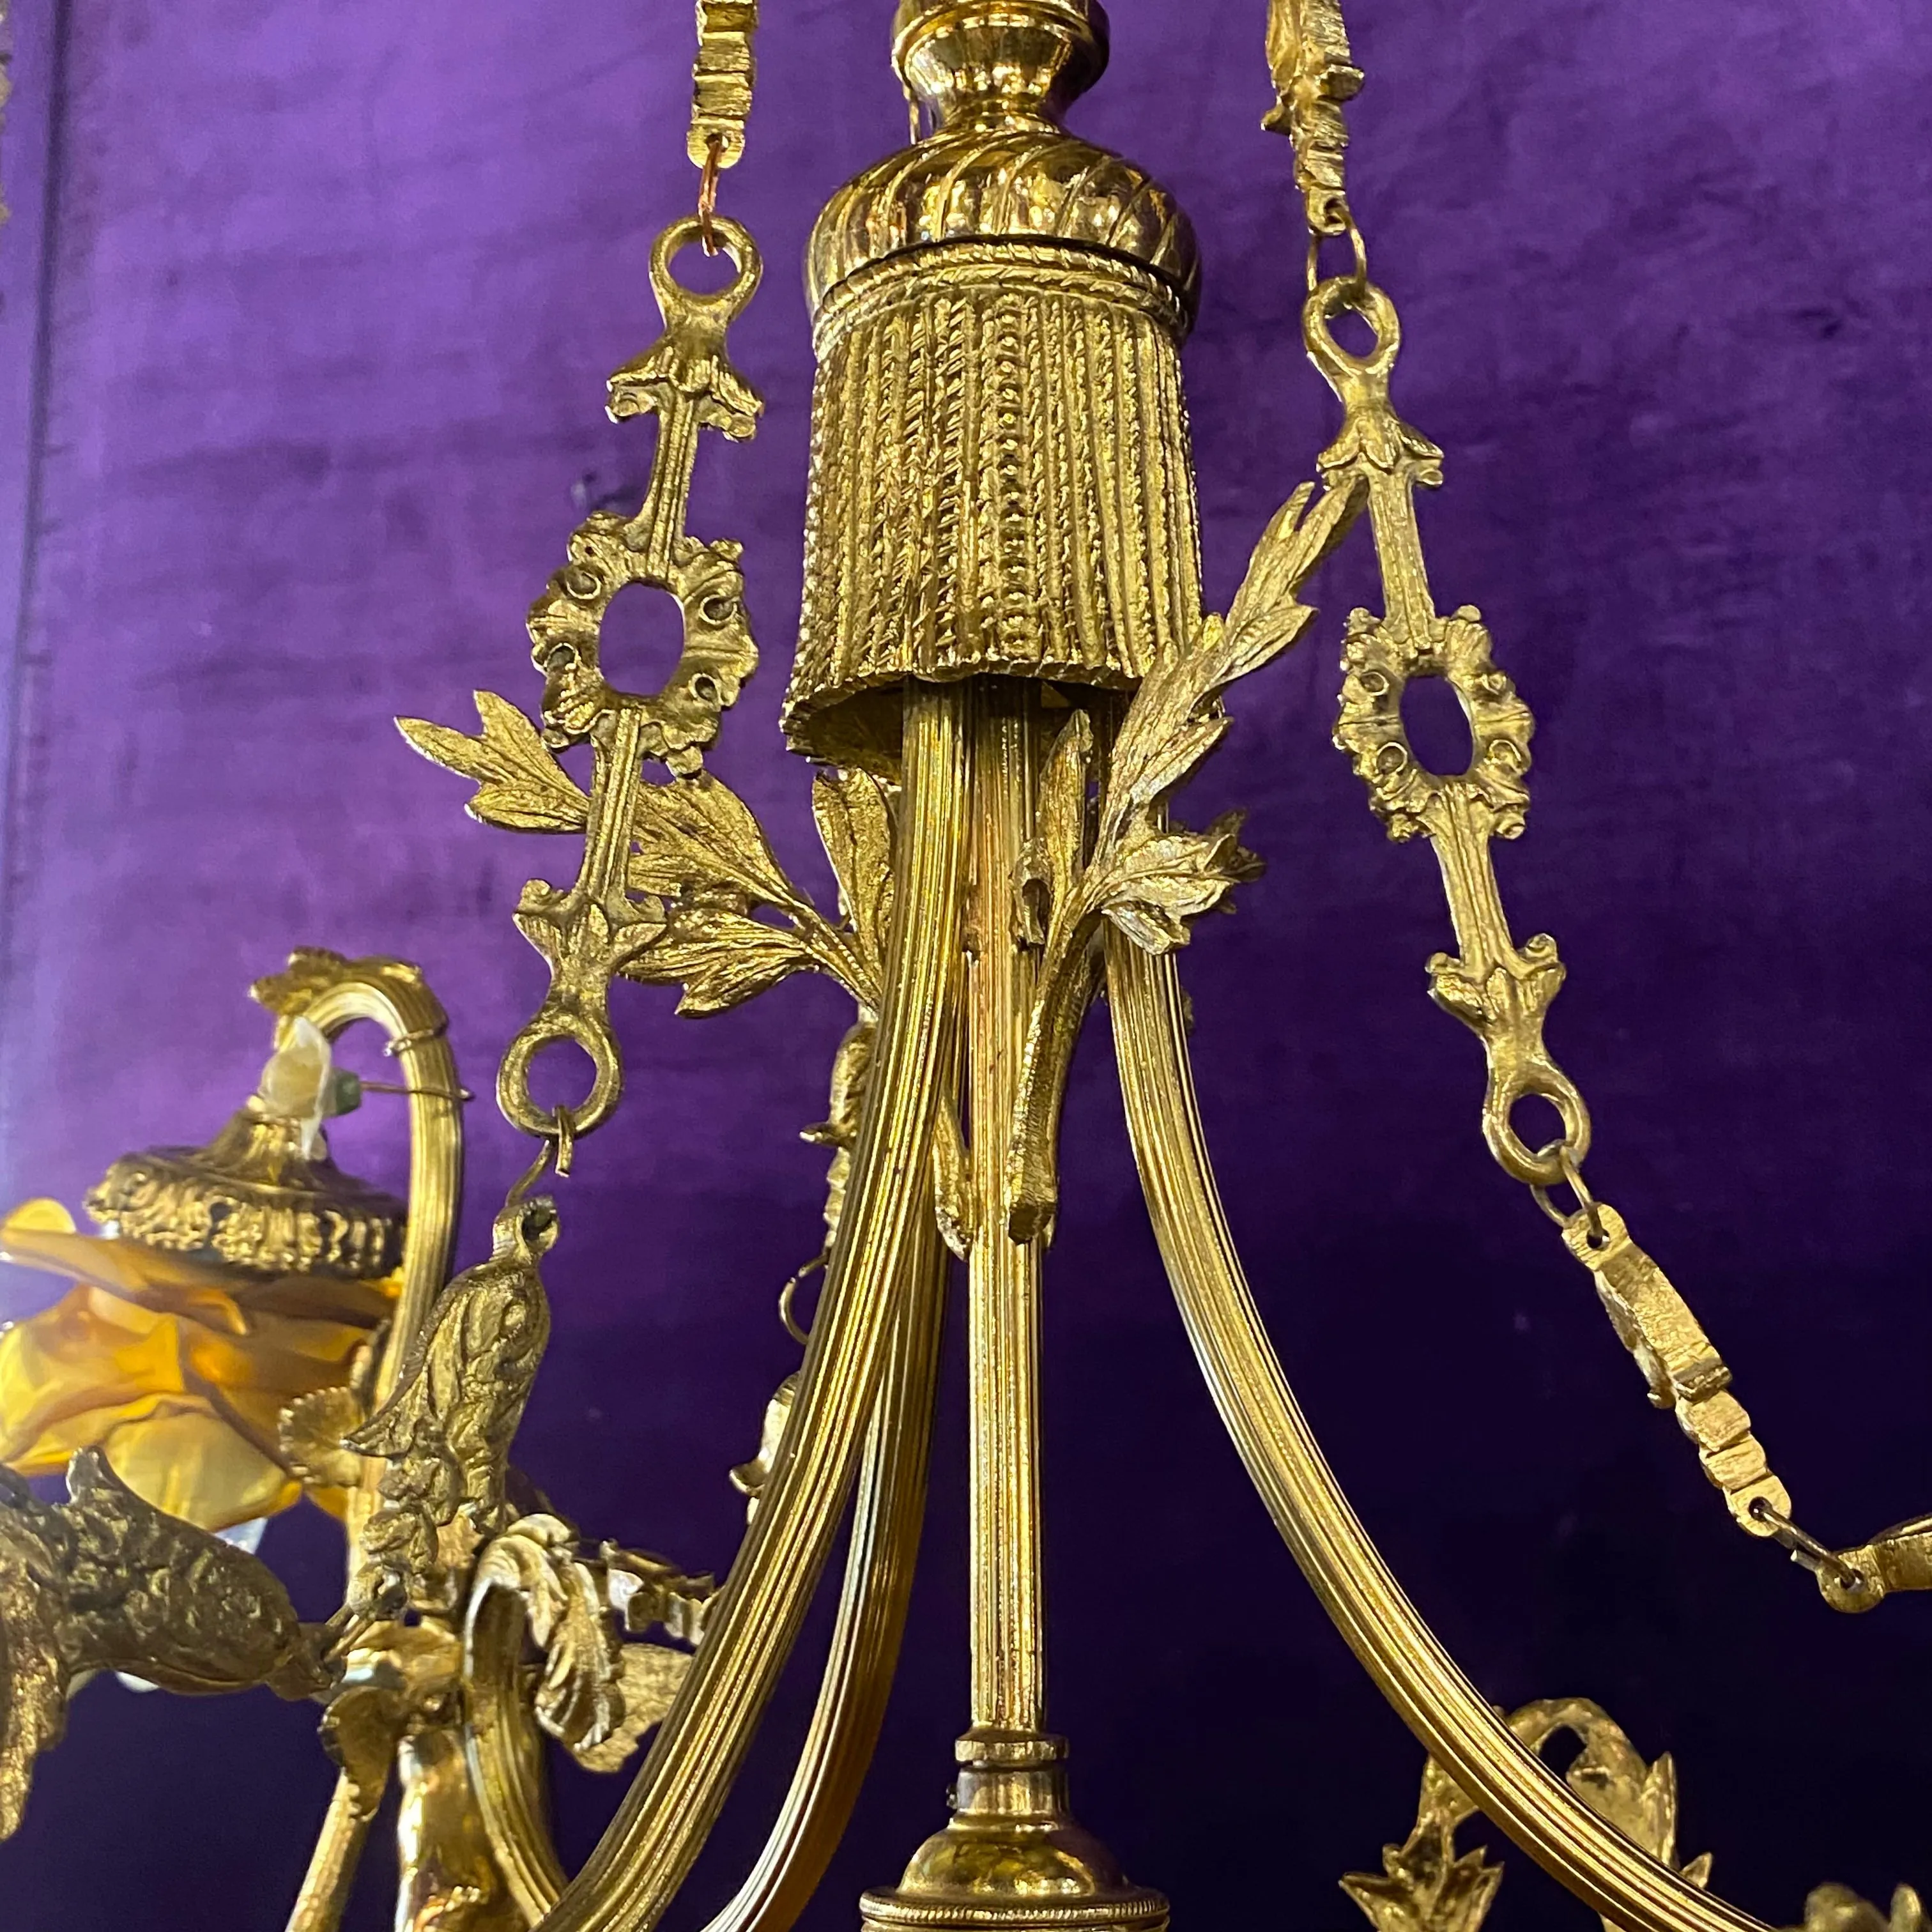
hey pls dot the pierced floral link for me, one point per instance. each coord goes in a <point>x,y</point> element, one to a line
<point>1501,991</point>
<point>596,928</point>
<point>1379,661</point>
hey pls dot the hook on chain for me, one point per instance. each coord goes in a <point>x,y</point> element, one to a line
<point>787,1313</point>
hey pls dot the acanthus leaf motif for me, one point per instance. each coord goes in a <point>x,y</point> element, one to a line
<point>1054,856</point>
<point>720,955</point>
<point>953,1182</point>
<point>1425,1886</point>
<point>698,833</point>
<point>1148,877</point>
<point>854,811</point>
<point>595,1694</point>
<point>1158,879</point>
<point>519,785</point>
<point>700,851</point>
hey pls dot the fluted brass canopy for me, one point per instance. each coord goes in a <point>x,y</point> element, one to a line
<point>1001,481</point>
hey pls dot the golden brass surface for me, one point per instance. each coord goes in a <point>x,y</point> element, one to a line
<point>1837,1908</point>
<point>1145,877</point>
<point>1314,74</point>
<point>217,1299</point>
<point>1686,1374</point>
<point>1000,483</point>
<point>1426,1885</point>
<point>444,1434</point>
<point>106,1582</point>
<point>1008,1637</point>
<point>1408,1661</point>
<point>1011,1856</point>
<point>994,76</point>
<point>252,1198</point>
<point>1500,991</point>
<point>1000,478</point>
<point>634,1873</point>
<point>721,81</point>
<point>1004,661</point>
<point>331,992</point>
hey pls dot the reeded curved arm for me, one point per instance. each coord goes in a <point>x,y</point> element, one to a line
<point>635,1872</point>
<point>858,1675</point>
<point>333,992</point>
<point>1358,1590</point>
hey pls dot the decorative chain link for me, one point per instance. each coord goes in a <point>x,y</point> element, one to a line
<point>1500,990</point>
<point>722,79</point>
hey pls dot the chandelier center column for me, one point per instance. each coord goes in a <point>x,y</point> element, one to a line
<point>1009,1645</point>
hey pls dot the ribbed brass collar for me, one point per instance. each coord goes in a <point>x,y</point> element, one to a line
<point>994,75</point>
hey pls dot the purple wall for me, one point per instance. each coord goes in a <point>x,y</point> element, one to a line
<point>330,296</point>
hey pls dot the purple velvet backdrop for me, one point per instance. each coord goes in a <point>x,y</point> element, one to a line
<point>330,294</point>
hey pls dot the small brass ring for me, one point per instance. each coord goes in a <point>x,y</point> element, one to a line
<point>707,193</point>
<point>555,1026</point>
<point>1805,1549</point>
<point>1358,276</point>
<point>787,1313</point>
<point>1562,1154</point>
<point>733,241</point>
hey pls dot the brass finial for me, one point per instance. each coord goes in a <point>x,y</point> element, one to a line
<point>998,63</point>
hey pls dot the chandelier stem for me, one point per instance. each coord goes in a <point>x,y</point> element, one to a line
<point>1012,1857</point>
<point>1008,1639</point>
<point>324,1897</point>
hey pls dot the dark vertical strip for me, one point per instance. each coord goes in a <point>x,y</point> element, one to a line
<point>17,761</point>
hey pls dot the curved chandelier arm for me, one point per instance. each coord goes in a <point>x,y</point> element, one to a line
<point>332,992</point>
<point>886,1521</point>
<point>505,1772</point>
<point>325,1886</point>
<point>1387,1634</point>
<point>635,1870</point>
<point>858,1676</point>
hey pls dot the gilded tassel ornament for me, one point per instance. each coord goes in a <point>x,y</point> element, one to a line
<point>1001,478</point>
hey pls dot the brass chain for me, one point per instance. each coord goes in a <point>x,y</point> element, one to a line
<point>599,928</point>
<point>721,80</point>
<point>1501,990</point>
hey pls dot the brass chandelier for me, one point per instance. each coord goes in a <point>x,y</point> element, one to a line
<point>1003,673</point>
